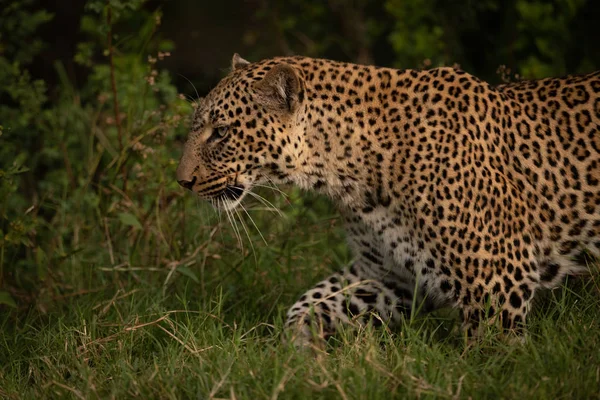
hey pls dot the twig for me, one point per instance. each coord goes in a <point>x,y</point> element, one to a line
<point>216,388</point>
<point>337,385</point>
<point>78,293</point>
<point>75,392</point>
<point>181,342</point>
<point>132,328</point>
<point>288,374</point>
<point>111,302</point>
<point>126,329</point>
<point>172,265</point>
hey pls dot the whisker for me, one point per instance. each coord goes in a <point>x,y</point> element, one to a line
<point>253,223</point>
<point>272,183</point>
<point>265,202</point>
<point>245,230</point>
<point>219,214</point>
<point>238,230</point>
<point>234,226</point>
<point>247,234</point>
<point>272,188</point>
<point>275,188</point>
<point>190,99</point>
<point>195,90</point>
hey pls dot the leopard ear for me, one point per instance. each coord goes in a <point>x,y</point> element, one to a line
<point>280,89</point>
<point>238,62</point>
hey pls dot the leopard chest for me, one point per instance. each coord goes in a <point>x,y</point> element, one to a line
<point>400,240</point>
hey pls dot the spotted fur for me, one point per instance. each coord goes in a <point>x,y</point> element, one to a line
<point>454,192</point>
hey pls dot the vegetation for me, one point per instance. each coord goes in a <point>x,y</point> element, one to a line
<point>115,283</point>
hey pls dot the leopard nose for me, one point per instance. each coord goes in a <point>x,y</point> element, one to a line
<point>187,184</point>
<point>185,170</point>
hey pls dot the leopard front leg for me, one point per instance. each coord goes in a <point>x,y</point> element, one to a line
<point>373,290</point>
<point>504,303</point>
<point>348,298</point>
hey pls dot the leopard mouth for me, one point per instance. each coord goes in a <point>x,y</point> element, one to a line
<point>233,192</point>
<point>229,197</point>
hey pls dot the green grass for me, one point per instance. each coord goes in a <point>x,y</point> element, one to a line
<point>127,287</point>
<point>178,310</point>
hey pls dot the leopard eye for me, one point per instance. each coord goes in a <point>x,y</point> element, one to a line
<point>218,133</point>
<point>221,131</point>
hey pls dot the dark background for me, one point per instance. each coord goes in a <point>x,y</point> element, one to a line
<point>91,129</point>
<point>534,38</point>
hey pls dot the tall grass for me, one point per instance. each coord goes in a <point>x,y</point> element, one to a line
<point>206,324</point>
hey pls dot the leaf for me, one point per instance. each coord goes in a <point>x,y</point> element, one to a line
<point>130,220</point>
<point>188,272</point>
<point>6,298</point>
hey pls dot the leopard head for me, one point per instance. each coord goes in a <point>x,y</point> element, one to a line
<point>247,130</point>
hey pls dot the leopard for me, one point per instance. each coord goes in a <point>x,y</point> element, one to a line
<point>454,193</point>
